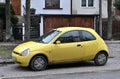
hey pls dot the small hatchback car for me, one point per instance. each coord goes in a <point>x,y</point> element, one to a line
<point>61,45</point>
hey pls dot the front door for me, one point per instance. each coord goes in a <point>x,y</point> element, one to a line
<point>69,49</point>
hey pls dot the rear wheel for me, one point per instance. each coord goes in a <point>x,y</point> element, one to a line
<point>101,59</point>
<point>38,63</point>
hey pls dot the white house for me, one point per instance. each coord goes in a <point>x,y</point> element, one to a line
<point>60,13</point>
<point>46,8</point>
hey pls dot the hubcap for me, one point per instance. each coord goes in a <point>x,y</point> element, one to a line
<point>39,63</point>
<point>102,58</point>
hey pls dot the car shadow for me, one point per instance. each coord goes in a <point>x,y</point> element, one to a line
<point>60,66</point>
<point>70,65</point>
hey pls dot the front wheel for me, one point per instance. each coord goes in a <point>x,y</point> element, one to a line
<point>101,59</point>
<point>38,63</point>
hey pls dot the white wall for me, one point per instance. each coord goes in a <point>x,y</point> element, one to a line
<point>22,4</point>
<point>2,1</point>
<point>104,9</point>
<point>77,9</point>
<point>41,26</point>
<point>39,5</point>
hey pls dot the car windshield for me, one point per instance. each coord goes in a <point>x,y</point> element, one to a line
<point>47,37</point>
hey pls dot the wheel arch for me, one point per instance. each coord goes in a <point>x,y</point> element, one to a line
<point>39,55</point>
<point>101,58</point>
<point>102,51</point>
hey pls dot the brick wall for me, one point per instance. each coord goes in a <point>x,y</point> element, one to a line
<point>16,6</point>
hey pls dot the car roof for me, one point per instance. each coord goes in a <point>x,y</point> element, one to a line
<point>74,28</point>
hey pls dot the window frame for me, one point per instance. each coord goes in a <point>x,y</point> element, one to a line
<point>72,37</point>
<point>87,4</point>
<point>81,36</point>
<point>49,36</point>
<point>51,6</point>
<point>94,38</point>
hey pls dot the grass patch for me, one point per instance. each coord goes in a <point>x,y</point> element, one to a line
<point>5,51</point>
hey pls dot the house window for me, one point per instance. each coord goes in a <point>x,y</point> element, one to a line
<point>52,4</point>
<point>90,3</point>
<point>87,3</point>
<point>83,3</point>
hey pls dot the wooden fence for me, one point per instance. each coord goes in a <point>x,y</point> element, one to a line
<point>115,28</point>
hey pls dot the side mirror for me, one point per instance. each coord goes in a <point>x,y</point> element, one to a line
<point>58,42</point>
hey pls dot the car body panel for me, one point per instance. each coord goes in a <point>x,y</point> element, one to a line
<point>63,52</point>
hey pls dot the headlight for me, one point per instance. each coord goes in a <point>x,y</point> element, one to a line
<point>25,52</point>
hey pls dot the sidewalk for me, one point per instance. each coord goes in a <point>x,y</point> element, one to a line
<point>14,71</point>
<point>8,60</point>
<point>114,48</point>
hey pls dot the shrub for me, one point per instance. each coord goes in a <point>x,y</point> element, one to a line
<point>117,4</point>
<point>14,18</point>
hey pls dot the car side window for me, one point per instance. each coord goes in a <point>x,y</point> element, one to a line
<point>69,37</point>
<point>87,36</point>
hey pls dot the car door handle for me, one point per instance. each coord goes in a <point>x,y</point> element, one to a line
<point>79,45</point>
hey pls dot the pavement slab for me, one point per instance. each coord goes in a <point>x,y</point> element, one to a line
<point>15,71</point>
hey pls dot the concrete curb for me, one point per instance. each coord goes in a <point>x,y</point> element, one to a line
<point>112,42</point>
<point>6,61</point>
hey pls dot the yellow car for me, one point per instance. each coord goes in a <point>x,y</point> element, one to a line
<point>61,45</point>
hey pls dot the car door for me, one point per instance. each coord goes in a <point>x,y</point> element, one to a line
<point>89,43</point>
<point>69,49</point>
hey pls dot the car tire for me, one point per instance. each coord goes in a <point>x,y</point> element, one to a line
<point>101,59</point>
<point>38,63</point>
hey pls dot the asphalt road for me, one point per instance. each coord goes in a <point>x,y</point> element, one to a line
<point>14,71</point>
<point>98,75</point>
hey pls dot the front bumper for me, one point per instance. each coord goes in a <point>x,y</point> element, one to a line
<point>22,60</point>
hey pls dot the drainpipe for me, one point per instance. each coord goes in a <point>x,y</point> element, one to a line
<point>100,17</point>
<point>23,31</point>
<point>95,23</point>
<point>71,7</point>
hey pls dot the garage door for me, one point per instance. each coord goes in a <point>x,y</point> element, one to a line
<point>51,22</point>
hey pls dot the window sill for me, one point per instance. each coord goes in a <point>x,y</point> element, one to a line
<point>53,8</point>
<point>88,7</point>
